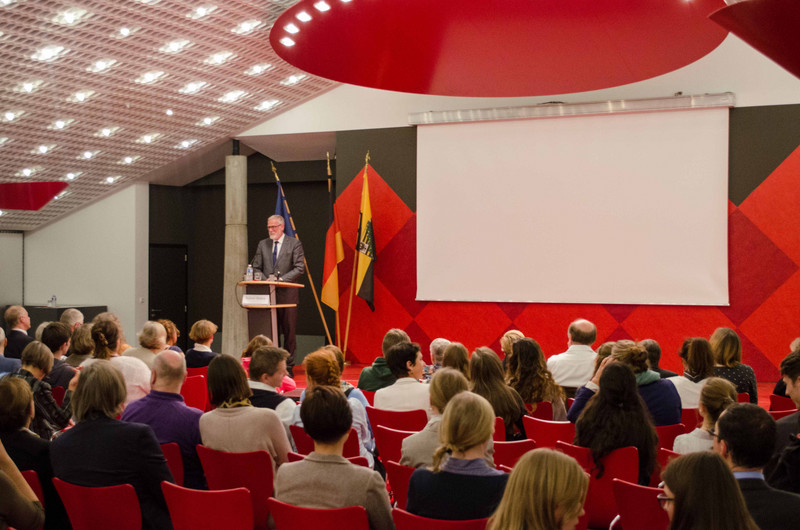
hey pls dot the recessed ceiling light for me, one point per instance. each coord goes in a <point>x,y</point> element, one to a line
<point>80,96</point>
<point>11,115</point>
<point>101,65</point>
<point>3,140</point>
<point>148,2</point>
<point>106,132</point>
<point>4,3</point>
<point>49,53</point>
<point>71,16</point>
<point>150,77</point>
<point>302,16</point>
<point>322,6</point>
<point>125,31</point>
<point>111,180</point>
<point>87,155</point>
<point>345,1</point>
<point>60,195</point>
<point>208,120</point>
<point>43,149</point>
<point>1,211</point>
<point>73,175</point>
<point>286,41</point>
<point>129,160</point>
<point>257,69</point>
<point>248,26</point>
<point>266,105</point>
<point>293,79</point>
<point>149,138</point>
<point>232,96</point>
<point>192,87</point>
<point>201,11</point>
<point>219,58</point>
<point>291,28</point>
<point>169,112</point>
<point>28,171</point>
<point>186,144</point>
<point>60,124</point>
<point>28,87</point>
<point>175,46</point>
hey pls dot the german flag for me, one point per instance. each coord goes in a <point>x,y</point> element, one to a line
<point>334,255</point>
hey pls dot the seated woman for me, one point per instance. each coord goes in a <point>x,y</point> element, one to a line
<point>102,451</point>
<point>546,491</point>
<point>456,356</point>
<point>349,390</point>
<point>616,417</point>
<point>200,355</point>
<point>407,392</point>
<point>322,369</point>
<point>236,426</point>
<point>107,337</point>
<point>172,334</point>
<point>37,361</point>
<point>727,350</point>
<point>152,339</point>
<point>527,373</point>
<point>19,506</point>
<point>660,396</point>
<point>461,486</point>
<point>486,379</point>
<point>28,451</point>
<point>700,493</point>
<point>717,395</point>
<point>81,345</point>
<point>698,365</point>
<point>325,479</point>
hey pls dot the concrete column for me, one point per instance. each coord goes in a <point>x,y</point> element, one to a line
<point>234,317</point>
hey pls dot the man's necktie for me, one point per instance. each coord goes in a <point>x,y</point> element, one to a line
<point>274,252</point>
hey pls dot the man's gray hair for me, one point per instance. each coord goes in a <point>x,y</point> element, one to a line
<point>71,317</point>
<point>150,335</point>
<point>276,218</point>
<point>437,349</point>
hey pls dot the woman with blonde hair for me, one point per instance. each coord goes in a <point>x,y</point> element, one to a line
<point>527,373</point>
<point>486,379</point>
<point>546,491</point>
<point>507,342</point>
<point>717,395</point>
<point>456,356</point>
<point>461,485</point>
<point>727,350</point>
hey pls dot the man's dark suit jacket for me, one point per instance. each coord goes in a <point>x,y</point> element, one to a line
<point>771,509</point>
<point>17,340</point>
<point>106,452</point>
<point>664,373</point>
<point>289,263</point>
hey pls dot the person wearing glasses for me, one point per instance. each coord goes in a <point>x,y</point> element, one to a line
<point>281,257</point>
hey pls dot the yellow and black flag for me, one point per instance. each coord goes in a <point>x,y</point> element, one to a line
<point>366,249</point>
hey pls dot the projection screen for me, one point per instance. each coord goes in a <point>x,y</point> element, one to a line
<point>618,208</point>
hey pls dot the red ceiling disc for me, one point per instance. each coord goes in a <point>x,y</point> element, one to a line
<point>28,195</point>
<point>495,47</point>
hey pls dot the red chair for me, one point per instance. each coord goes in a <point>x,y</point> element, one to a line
<point>357,460</point>
<point>103,507</point>
<point>32,478</point>
<point>638,506</point>
<point>58,393</point>
<point>663,458</point>
<point>288,517</point>
<point>777,402</point>
<point>499,430</point>
<point>174,461</point>
<point>690,419</point>
<point>390,442</point>
<point>547,433</point>
<point>543,410</point>
<point>402,420</point>
<point>305,444</point>
<point>507,453</point>
<point>370,396</point>
<point>623,463</point>
<point>743,397</point>
<point>253,471</point>
<point>291,456</point>
<point>778,414</point>
<point>208,510</point>
<point>668,433</point>
<point>408,521</point>
<point>203,370</point>
<point>195,392</point>
<point>570,401</point>
<point>398,477</point>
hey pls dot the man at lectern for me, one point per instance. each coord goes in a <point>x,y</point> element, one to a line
<point>281,257</point>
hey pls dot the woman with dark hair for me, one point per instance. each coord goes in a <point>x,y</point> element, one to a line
<point>700,493</point>
<point>727,350</point>
<point>236,426</point>
<point>527,373</point>
<point>616,417</point>
<point>698,365</point>
<point>486,380</point>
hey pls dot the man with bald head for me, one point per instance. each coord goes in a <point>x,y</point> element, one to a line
<point>164,410</point>
<point>573,368</point>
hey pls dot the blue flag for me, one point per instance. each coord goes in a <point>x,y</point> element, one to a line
<point>280,209</point>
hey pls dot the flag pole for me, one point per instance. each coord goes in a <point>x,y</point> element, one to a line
<point>355,266</point>
<point>330,185</point>
<point>305,263</point>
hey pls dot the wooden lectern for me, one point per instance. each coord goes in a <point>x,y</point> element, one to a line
<point>263,319</point>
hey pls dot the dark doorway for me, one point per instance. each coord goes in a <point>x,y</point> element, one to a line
<point>169,287</point>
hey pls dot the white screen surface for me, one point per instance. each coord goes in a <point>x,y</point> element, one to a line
<point>620,208</point>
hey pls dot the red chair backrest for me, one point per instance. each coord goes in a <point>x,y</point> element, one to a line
<point>507,453</point>
<point>547,433</point>
<point>58,393</point>
<point>663,457</point>
<point>197,509</point>
<point>32,478</point>
<point>291,456</point>
<point>778,414</point>
<point>690,419</point>
<point>777,402</point>
<point>174,461</point>
<point>369,395</point>
<point>305,444</point>
<point>743,397</point>
<point>570,401</point>
<point>402,420</point>
<point>543,410</point>
<point>390,442</point>
<point>398,476</point>
<point>103,507</point>
<point>408,521</point>
<point>203,370</point>
<point>241,470</point>
<point>195,392</point>
<point>668,433</point>
<point>639,507</point>
<point>623,463</point>
<point>288,517</point>
<point>499,430</point>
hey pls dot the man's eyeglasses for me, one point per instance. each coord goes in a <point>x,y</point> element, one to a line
<point>663,500</point>
<point>275,227</point>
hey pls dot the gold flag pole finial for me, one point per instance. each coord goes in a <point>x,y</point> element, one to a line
<point>366,159</point>
<point>328,154</point>
<point>274,171</point>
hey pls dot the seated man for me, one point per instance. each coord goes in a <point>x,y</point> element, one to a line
<point>745,437</point>
<point>72,318</point>
<point>56,336</point>
<point>325,479</point>
<point>18,323</point>
<point>378,375</point>
<point>437,355</point>
<point>407,393</point>
<point>654,357</point>
<point>267,370</point>
<point>164,410</point>
<point>202,333</point>
<point>783,471</point>
<point>573,368</point>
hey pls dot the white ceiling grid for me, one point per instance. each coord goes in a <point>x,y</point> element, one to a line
<point>129,110</point>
